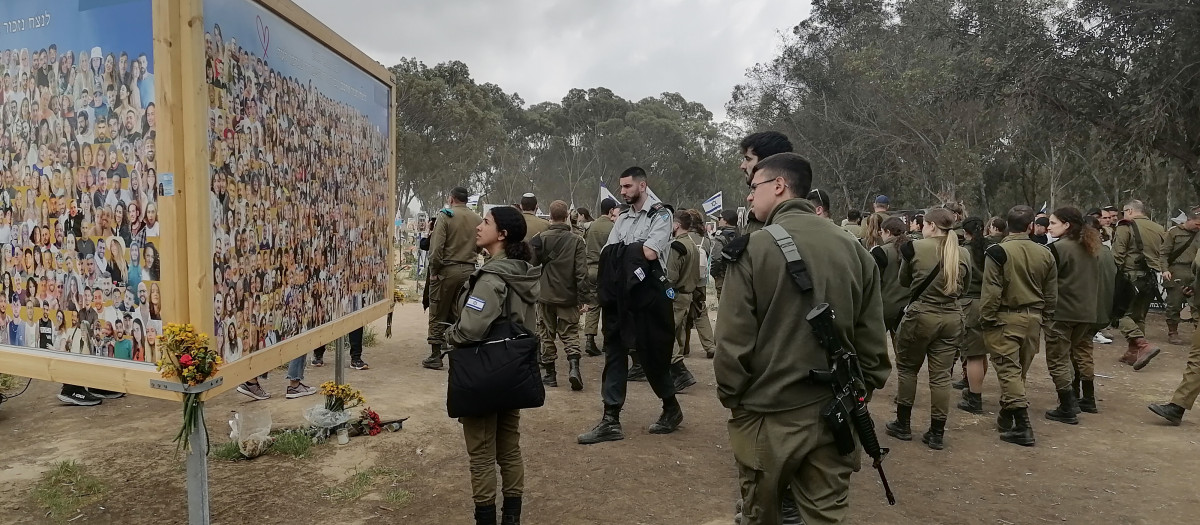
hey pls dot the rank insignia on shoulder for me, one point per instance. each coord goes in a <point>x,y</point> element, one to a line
<point>447,212</point>
<point>670,293</point>
<point>733,251</point>
<point>475,303</point>
<point>996,253</point>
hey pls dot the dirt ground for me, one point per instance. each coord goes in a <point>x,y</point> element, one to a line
<point>1122,466</point>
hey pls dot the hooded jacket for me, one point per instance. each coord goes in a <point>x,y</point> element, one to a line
<point>500,282</point>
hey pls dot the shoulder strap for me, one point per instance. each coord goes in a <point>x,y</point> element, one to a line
<point>920,289</point>
<point>796,267</point>
<point>1179,251</point>
<point>1137,243</point>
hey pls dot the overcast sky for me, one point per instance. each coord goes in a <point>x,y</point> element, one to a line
<point>542,48</point>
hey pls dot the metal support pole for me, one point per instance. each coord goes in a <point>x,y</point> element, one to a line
<point>197,474</point>
<point>339,360</point>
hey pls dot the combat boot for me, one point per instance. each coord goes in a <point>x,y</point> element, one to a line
<point>971,402</point>
<point>1169,411</point>
<point>1075,386</point>
<point>1022,430</point>
<point>1144,353</point>
<point>789,514</point>
<point>609,428</point>
<point>1087,400</point>
<point>511,511</point>
<point>669,420</point>
<point>1004,421</point>
<point>485,514</point>
<point>590,347</point>
<point>1173,333</point>
<point>961,384</point>
<point>1066,411</point>
<point>434,361</point>
<point>573,374</point>
<point>901,428</point>
<point>1131,352</point>
<point>683,377</point>
<point>549,374</point>
<point>933,436</point>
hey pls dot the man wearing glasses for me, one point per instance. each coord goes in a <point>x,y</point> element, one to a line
<point>1136,244</point>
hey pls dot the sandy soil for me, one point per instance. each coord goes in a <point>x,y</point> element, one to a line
<point>1120,466</point>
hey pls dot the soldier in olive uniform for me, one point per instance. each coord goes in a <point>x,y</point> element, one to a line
<point>755,147</point>
<point>593,240</point>
<point>533,223</point>
<point>887,257</point>
<point>765,352</point>
<point>683,272</point>
<point>1189,387</point>
<point>1177,251</point>
<point>971,348</point>
<point>1069,338</point>
<point>1020,290</point>
<point>726,233</point>
<point>1136,245</point>
<point>564,292</point>
<point>452,255</point>
<point>698,314</point>
<point>936,270</point>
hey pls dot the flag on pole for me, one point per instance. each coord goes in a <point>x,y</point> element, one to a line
<point>712,205</point>
<point>605,194</point>
<point>652,195</point>
<point>1181,218</point>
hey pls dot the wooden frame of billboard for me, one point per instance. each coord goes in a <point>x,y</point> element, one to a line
<point>182,149</point>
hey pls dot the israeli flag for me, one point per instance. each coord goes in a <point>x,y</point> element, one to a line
<point>712,205</point>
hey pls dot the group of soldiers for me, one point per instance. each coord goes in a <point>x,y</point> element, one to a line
<point>946,287</point>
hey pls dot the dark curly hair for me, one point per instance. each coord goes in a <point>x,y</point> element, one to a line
<point>510,221</point>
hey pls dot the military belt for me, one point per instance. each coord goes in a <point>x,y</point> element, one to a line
<point>1025,310</point>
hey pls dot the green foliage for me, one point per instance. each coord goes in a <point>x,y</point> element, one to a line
<point>227,451</point>
<point>363,482</point>
<point>8,382</point>
<point>291,443</point>
<point>370,337</point>
<point>66,490</point>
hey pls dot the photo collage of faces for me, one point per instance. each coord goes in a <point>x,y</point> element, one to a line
<point>299,199</point>
<point>80,221</point>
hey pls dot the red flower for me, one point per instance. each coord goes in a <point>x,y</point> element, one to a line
<point>186,360</point>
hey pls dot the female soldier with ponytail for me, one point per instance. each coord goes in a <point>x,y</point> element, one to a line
<point>1069,337</point>
<point>971,349</point>
<point>505,283</point>
<point>887,257</point>
<point>937,271</point>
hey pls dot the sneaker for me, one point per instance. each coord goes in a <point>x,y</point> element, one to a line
<point>360,365</point>
<point>254,390</point>
<point>300,390</point>
<point>105,394</point>
<point>78,397</point>
<point>1100,339</point>
<point>318,362</point>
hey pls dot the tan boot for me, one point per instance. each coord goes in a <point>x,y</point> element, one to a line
<point>1130,356</point>
<point>1145,353</point>
<point>1173,333</point>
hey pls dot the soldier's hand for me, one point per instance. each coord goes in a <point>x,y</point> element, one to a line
<point>585,308</point>
<point>650,254</point>
<point>1166,275</point>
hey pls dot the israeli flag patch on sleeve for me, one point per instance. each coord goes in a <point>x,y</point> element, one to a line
<point>475,303</point>
<point>640,274</point>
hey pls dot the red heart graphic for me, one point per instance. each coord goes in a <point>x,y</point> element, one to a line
<point>264,35</point>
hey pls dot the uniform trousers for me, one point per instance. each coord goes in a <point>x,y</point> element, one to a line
<point>1069,351</point>
<point>591,319</point>
<point>928,332</point>
<point>701,320</point>
<point>558,322</point>
<point>1133,324</point>
<point>1012,344</point>
<point>790,450</point>
<point>1175,296</point>
<point>443,292</point>
<point>680,306</point>
<point>1189,387</point>
<point>655,362</point>
<point>491,440</point>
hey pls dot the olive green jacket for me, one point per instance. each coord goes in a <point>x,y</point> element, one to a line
<point>595,237</point>
<point>1079,276</point>
<point>683,267</point>
<point>498,282</point>
<point>453,239</point>
<point>1018,274</point>
<point>564,266</point>
<point>919,258</point>
<point>1125,248</point>
<point>534,224</point>
<point>893,294</point>
<point>765,348</point>
<point>1176,239</point>
<point>1106,286</point>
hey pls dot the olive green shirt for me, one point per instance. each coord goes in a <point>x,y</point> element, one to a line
<point>925,256</point>
<point>534,224</point>
<point>1079,274</point>
<point>683,267</point>
<point>765,348</point>
<point>1106,284</point>
<point>1177,239</point>
<point>453,239</point>
<point>1018,274</point>
<point>893,293</point>
<point>594,239</point>
<point>1125,247</point>
<point>564,266</point>
<point>500,284</point>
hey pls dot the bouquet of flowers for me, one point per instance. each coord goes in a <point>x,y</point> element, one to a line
<point>334,413</point>
<point>187,356</point>
<point>340,397</point>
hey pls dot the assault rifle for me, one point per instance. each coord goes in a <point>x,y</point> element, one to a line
<point>849,406</point>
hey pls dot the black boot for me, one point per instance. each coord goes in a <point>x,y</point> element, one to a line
<point>790,513</point>
<point>549,374</point>
<point>1169,411</point>
<point>1022,430</point>
<point>485,515</point>
<point>1004,421</point>
<point>961,384</point>
<point>669,420</point>
<point>434,361</point>
<point>1065,413</point>
<point>590,346</point>
<point>573,374</point>
<point>609,428</point>
<point>683,377</point>
<point>901,428</point>
<point>511,511</point>
<point>1075,386</point>
<point>971,402</point>
<point>1087,401</point>
<point>933,437</point>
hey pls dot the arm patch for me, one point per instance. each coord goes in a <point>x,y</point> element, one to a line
<point>679,247</point>
<point>908,251</point>
<point>880,256</point>
<point>734,250</point>
<point>447,211</point>
<point>996,253</point>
